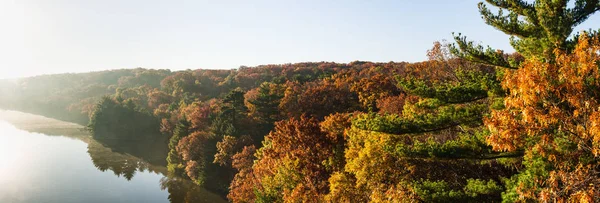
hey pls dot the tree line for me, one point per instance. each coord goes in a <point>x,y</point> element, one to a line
<point>470,124</point>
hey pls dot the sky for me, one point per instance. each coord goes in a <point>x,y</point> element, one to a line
<point>60,36</point>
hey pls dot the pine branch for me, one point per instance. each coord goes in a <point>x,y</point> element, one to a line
<point>583,10</point>
<point>509,24</point>
<point>469,51</point>
<point>518,6</point>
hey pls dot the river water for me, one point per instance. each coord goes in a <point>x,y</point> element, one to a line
<point>46,160</point>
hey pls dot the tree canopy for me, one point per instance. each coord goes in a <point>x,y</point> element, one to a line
<point>536,29</point>
<point>470,124</point>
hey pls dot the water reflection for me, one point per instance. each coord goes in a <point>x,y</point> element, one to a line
<point>123,159</point>
<point>185,191</point>
<point>108,155</point>
<point>121,164</point>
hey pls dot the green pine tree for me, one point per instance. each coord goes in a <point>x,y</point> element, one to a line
<point>536,29</point>
<point>233,112</point>
<point>175,162</point>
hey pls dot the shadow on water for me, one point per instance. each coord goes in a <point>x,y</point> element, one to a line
<point>121,163</point>
<point>181,190</point>
<point>151,151</point>
<point>123,158</point>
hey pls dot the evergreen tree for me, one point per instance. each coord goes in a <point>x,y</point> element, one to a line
<point>175,162</point>
<point>122,120</point>
<point>233,113</point>
<point>435,150</point>
<point>536,29</point>
<point>536,116</point>
<point>266,104</point>
<point>265,110</point>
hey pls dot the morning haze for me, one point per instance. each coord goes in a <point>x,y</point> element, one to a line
<point>41,37</point>
<point>307,101</point>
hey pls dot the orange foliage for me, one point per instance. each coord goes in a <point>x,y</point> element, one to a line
<point>553,113</point>
<point>318,99</point>
<point>197,114</point>
<point>191,148</point>
<point>292,159</point>
<point>373,88</point>
<point>395,104</point>
<point>157,98</point>
<point>228,146</point>
<point>244,183</point>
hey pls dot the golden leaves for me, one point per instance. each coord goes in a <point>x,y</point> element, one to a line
<point>552,112</point>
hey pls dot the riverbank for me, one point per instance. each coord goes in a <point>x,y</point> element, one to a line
<point>61,157</point>
<point>40,124</point>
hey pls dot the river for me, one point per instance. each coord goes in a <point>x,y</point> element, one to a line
<point>46,160</point>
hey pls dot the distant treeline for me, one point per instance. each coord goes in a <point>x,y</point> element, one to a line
<point>471,124</point>
<point>254,127</point>
<point>72,97</point>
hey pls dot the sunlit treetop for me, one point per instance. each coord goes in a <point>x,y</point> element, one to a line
<point>536,28</point>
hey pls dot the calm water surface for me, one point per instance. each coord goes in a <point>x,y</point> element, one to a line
<point>45,160</point>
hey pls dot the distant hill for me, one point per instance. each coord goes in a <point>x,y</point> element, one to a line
<point>72,96</point>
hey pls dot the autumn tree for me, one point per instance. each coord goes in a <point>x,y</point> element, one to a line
<point>244,183</point>
<point>432,147</point>
<point>157,98</point>
<point>195,153</point>
<point>179,83</point>
<point>318,99</point>
<point>143,77</point>
<point>547,106</point>
<point>293,165</point>
<point>552,112</point>
<point>371,89</point>
<point>193,146</point>
<point>228,147</point>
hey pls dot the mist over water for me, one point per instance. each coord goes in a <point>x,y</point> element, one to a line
<point>44,160</point>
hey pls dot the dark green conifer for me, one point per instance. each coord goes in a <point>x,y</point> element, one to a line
<point>536,29</point>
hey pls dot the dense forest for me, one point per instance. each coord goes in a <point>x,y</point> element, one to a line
<point>470,124</point>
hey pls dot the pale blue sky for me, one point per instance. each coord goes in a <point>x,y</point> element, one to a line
<point>56,36</point>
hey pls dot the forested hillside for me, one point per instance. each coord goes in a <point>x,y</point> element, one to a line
<point>72,97</point>
<point>471,124</point>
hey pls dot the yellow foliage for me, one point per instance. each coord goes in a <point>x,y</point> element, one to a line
<point>552,112</point>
